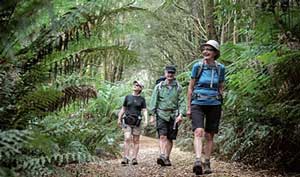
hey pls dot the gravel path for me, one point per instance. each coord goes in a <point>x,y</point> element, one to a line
<point>182,163</point>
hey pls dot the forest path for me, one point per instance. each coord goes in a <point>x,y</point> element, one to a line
<point>182,163</point>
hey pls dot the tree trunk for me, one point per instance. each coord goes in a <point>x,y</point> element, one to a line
<point>195,8</point>
<point>235,28</point>
<point>105,68</point>
<point>222,33</point>
<point>120,70</point>
<point>209,19</point>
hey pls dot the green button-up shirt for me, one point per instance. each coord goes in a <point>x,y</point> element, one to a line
<point>167,100</point>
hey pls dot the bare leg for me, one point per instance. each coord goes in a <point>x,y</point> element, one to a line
<point>127,141</point>
<point>169,147</point>
<point>163,144</point>
<point>209,137</point>
<point>208,150</point>
<point>198,136</point>
<point>136,145</point>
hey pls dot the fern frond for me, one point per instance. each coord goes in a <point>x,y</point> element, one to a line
<point>12,141</point>
<point>56,159</point>
<point>89,57</point>
<point>286,76</point>
<point>81,18</point>
<point>43,101</point>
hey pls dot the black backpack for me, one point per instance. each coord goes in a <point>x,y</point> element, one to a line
<point>162,78</point>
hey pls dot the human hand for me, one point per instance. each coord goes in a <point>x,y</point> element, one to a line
<point>179,119</point>
<point>119,122</point>
<point>152,120</point>
<point>145,124</point>
<point>189,113</point>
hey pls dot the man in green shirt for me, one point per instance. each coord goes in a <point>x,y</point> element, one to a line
<point>168,106</point>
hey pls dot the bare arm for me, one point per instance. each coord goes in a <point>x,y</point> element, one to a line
<point>189,96</point>
<point>120,115</point>
<point>145,113</point>
<point>221,88</point>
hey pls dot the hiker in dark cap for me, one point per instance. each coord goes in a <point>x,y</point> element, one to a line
<point>167,106</point>
<point>170,69</point>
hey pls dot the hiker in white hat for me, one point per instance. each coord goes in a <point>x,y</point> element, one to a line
<point>205,95</point>
<point>130,118</point>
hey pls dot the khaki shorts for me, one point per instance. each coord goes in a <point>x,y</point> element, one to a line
<point>133,130</point>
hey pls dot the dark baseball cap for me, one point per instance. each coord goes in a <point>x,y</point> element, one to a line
<point>170,69</point>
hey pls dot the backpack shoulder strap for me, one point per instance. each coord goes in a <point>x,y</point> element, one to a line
<point>218,65</point>
<point>200,69</point>
<point>178,86</point>
<point>159,86</point>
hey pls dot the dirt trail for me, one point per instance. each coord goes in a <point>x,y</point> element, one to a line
<point>182,163</point>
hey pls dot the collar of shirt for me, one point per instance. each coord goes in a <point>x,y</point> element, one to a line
<point>173,83</point>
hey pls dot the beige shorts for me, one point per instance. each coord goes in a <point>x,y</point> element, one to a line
<point>133,130</point>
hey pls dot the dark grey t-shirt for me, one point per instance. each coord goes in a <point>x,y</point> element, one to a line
<point>134,104</point>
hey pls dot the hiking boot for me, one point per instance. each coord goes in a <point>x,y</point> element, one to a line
<point>161,160</point>
<point>134,161</point>
<point>206,166</point>
<point>168,162</point>
<point>197,169</point>
<point>125,161</point>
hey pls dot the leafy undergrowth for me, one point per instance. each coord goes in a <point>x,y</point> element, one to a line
<point>182,163</point>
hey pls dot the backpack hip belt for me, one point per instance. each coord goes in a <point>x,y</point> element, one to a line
<point>167,110</point>
<point>172,111</point>
<point>202,85</point>
<point>200,96</point>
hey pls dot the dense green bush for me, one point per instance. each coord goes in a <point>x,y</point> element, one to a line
<point>72,135</point>
<point>262,108</point>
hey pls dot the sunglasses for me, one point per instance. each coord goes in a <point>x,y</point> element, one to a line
<point>137,85</point>
<point>208,49</point>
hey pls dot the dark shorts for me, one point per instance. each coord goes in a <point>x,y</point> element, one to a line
<point>207,117</point>
<point>166,128</point>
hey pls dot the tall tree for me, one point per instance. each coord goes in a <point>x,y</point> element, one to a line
<point>210,19</point>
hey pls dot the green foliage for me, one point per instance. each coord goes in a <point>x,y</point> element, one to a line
<point>38,102</point>
<point>255,122</point>
<point>11,143</point>
<point>69,136</point>
<point>38,46</point>
<point>79,37</point>
<point>55,56</point>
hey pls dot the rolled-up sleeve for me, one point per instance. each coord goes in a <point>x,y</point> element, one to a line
<point>181,103</point>
<point>195,70</point>
<point>153,101</point>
